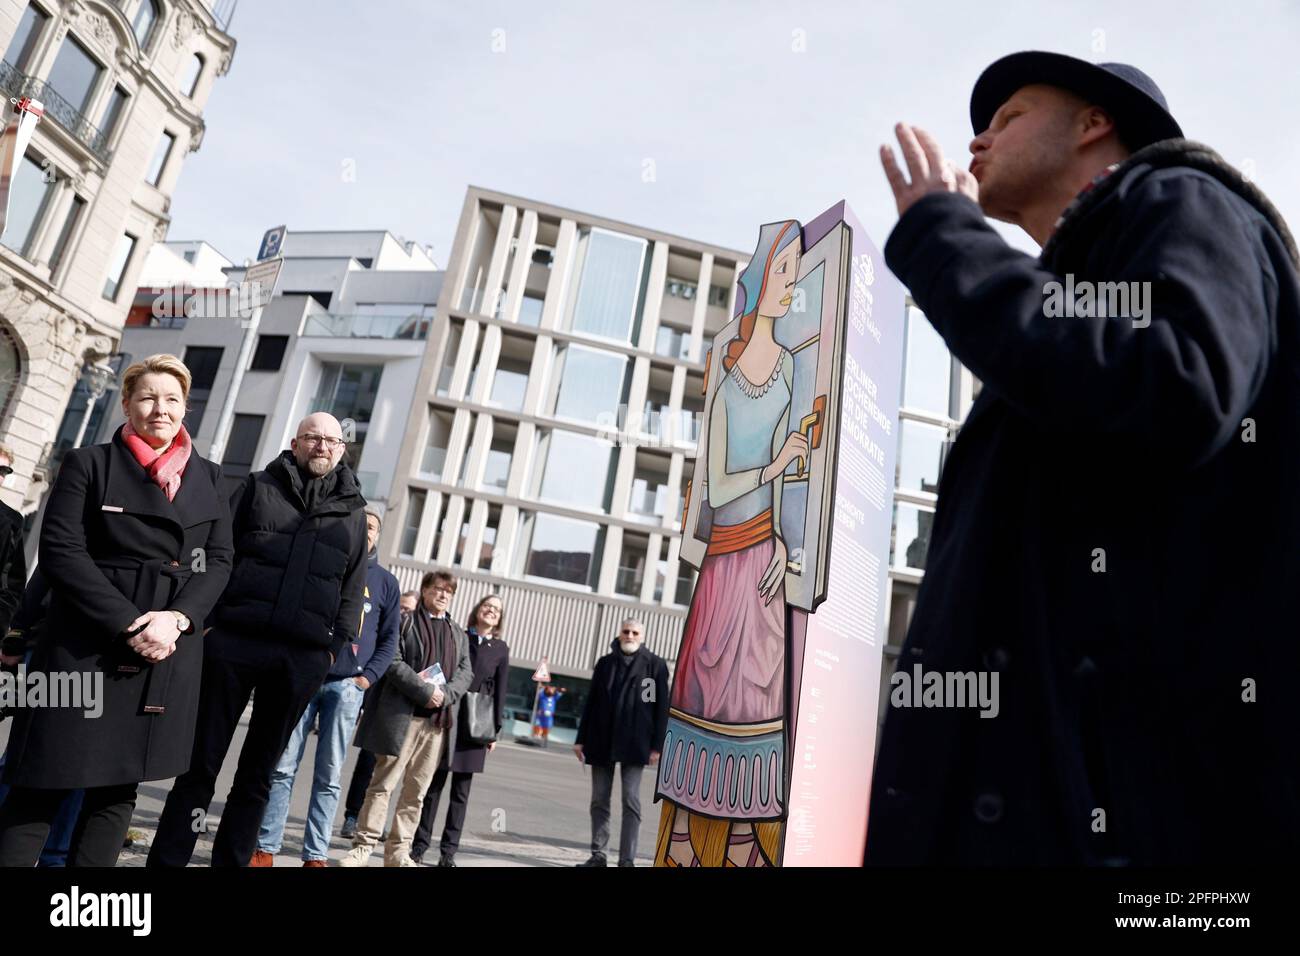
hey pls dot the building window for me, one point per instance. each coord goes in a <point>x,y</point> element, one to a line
<point>145,18</point>
<point>631,565</point>
<point>435,448</point>
<point>509,386</point>
<point>74,74</point>
<point>29,196</point>
<point>680,288</point>
<point>561,549</point>
<point>411,530</point>
<point>113,109</point>
<point>65,232</point>
<point>649,498</point>
<point>191,81</point>
<point>203,362</point>
<point>269,354</point>
<point>489,538</point>
<point>719,295</point>
<point>25,37</point>
<point>530,311</point>
<point>591,384</point>
<point>160,154</point>
<point>241,447</point>
<point>610,285</point>
<point>496,471</point>
<point>921,450</point>
<point>349,392</point>
<point>117,266</point>
<point>579,470</point>
<point>927,372</point>
<point>911,536</point>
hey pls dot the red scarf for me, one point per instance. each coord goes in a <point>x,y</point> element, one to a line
<point>165,469</point>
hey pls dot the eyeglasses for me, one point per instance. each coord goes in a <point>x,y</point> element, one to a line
<point>634,633</point>
<point>330,443</point>
<point>489,607</point>
<point>447,591</point>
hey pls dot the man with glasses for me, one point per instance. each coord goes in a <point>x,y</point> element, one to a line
<point>295,598</point>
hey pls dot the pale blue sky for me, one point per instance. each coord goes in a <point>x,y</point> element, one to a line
<point>741,128</point>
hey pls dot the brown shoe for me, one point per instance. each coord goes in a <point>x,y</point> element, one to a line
<point>262,858</point>
<point>320,863</point>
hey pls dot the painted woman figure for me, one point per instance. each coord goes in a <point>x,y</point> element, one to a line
<point>722,772</point>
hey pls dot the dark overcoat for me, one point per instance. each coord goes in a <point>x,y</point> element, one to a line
<point>1116,535</point>
<point>491,665</point>
<point>622,721</point>
<point>112,547</point>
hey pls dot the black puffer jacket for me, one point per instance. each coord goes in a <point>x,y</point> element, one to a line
<point>299,572</point>
<point>1116,535</point>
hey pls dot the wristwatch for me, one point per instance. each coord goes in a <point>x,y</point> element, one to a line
<point>185,624</point>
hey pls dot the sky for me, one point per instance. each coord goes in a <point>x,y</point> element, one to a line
<point>702,119</point>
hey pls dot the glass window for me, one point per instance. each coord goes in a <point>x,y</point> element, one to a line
<point>920,455</point>
<point>113,107</point>
<point>489,538</point>
<point>685,584</point>
<point>610,285</point>
<point>579,470</point>
<point>509,385</point>
<point>672,343</point>
<point>928,369</point>
<point>718,295</point>
<point>203,362</point>
<point>28,197</point>
<point>591,384</point>
<point>562,549</point>
<point>160,154</point>
<point>530,311</point>
<point>911,539</point>
<point>74,74</point>
<point>496,471</point>
<point>349,391</point>
<point>414,512</point>
<point>449,358</point>
<point>65,232</point>
<point>269,354</point>
<point>237,460</point>
<point>631,565</point>
<point>435,448</point>
<point>191,80</point>
<point>145,18</point>
<point>117,266</point>
<point>25,37</point>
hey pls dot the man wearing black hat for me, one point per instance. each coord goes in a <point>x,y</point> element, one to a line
<point>1099,540</point>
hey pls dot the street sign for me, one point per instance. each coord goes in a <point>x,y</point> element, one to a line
<point>260,281</point>
<point>271,242</point>
<point>542,674</point>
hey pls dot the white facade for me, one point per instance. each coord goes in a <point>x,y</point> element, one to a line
<point>123,85</point>
<point>349,319</point>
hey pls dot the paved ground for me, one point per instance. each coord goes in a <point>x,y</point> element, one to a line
<point>540,798</point>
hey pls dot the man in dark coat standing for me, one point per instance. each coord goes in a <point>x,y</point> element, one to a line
<point>623,722</point>
<point>294,599</point>
<point>1095,542</point>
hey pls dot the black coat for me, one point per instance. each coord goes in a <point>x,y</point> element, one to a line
<point>299,574</point>
<point>112,546</point>
<point>390,704</point>
<point>1121,690</point>
<point>491,663</point>
<point>13,565</point>
<point>624,726</point>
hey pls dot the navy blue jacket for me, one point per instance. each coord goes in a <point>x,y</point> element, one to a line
<point>1147,711</point>
<point>376,643</point>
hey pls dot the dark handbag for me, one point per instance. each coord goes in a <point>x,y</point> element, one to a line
<point>481,717</point>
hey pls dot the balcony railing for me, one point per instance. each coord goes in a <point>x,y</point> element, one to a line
<point>368,326</point>
<point>16,84</point>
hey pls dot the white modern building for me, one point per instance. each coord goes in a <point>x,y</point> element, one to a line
<point>123,85</point>
<point>552,433</point>
<point>344,333</point>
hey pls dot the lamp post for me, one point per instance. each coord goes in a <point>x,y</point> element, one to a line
<point>97,377</point>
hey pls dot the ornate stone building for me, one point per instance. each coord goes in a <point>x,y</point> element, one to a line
<point>123,84</point>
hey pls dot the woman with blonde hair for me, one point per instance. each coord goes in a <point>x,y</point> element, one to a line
<point>136,548</point>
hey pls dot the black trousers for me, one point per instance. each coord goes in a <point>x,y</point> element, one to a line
<point>457,805</point>
<point>361,774</point>
<point>96,840</point>
<point>284,678</point>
